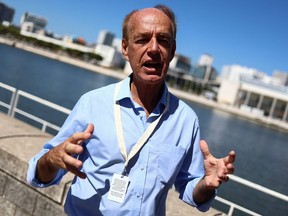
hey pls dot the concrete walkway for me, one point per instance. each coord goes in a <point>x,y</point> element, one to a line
<point>23,141</point>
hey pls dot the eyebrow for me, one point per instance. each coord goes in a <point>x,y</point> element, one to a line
<point>147,34</point>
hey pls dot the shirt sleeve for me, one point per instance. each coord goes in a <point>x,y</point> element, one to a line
<point>192,171</point>
<point>31,173</point>
<point>71,125</point>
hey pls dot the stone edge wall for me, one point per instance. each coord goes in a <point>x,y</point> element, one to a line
<point>18,198</point>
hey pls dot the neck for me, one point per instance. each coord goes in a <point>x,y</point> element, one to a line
<point>146,96</point>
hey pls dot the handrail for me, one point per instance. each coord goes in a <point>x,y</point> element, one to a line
<point>11,89</point>
<point>12,109</point>
<point>258,187</point>
<point>235,206</point>
<point>41,101</point>
<point>251,185</point>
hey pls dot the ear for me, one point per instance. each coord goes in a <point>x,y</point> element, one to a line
<point>173,50</point>
<point>125,49</point>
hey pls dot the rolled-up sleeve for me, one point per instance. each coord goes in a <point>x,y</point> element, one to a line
<point>31,172</point>
<point>192,171</point>
<point>188,196</point>
<point>70,126</point>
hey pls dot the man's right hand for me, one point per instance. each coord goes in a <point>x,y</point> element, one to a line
<point>61,157</point>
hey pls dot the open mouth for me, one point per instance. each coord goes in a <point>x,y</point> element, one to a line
<point>152,65</point>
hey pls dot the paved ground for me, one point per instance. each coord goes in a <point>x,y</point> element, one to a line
<point>175,207</point>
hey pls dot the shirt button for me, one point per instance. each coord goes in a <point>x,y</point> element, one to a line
<point>138,195</point>
<point>142,168</point>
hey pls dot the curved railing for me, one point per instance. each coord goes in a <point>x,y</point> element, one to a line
<point>12,109</point>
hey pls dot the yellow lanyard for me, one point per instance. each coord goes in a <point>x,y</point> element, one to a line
<point>142,139</point>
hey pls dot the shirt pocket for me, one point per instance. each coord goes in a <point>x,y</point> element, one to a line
<point>169,161</point>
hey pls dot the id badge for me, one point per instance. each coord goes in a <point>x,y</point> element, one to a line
<point>118,188</point>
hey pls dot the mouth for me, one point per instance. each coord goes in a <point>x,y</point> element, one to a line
<point>150,65</point>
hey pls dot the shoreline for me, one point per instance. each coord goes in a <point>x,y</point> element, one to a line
<point>119,74</point>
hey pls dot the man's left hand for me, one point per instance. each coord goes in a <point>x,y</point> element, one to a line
<point>216,169</point>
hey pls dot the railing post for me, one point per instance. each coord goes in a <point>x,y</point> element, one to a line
<point>44,126</point>
<point>13,103</point>
<point>230,213</point>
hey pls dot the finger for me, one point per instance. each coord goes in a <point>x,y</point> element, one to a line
<point>73,165</point>
<point>76,172</point>
<point>73,149</point>
<point>230,169</point>
<point>224,178</point>
<point>89,129</point>
<point>204,148</point>
<point>70,161</point>
<point>77,138</point>
<point>230,158</point>
<point>80,174</point>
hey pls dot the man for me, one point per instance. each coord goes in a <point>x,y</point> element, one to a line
<point>137,139</point>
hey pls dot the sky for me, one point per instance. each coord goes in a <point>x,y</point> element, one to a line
<point>250,33</point>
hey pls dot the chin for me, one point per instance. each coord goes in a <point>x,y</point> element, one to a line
<point>152,80</point>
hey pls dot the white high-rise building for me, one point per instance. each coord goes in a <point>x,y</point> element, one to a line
<point>105,38</point>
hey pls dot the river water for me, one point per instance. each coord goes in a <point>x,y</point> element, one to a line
<point>262,152</point>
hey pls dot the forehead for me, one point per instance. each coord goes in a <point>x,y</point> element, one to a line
<point>150,19</point>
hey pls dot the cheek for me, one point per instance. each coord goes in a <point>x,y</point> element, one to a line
<point>134,58</point>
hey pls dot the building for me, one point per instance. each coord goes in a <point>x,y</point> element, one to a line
<point>254,94</point>
<point>203,70</point>
<point>235,72</point>
<point>281,76</point>
<point>6,13</point>
<point>205,60</point>
<point>117,43</point>
<point>204,73</point>
<point>105,38</point>
<point>180,64</point>
<point>111,56</point>
<point>33,24</point>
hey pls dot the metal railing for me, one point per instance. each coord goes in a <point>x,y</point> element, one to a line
<point>13,94</point>
<point>254,186</point>
<point>12,107</point>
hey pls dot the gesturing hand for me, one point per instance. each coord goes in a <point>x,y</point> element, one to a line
<point>61,157</point>
<point>216,169</point>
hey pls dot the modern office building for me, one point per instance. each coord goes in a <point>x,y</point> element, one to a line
<point>180,64</point>
<point>6,13</point>
<point>105,38</point>
<point>32,23</point>
<point>111,56</point>
<point>255,95</point>
<point>204,71</point>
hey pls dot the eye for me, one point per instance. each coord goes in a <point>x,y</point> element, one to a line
<point>164,41</point>
<point>142,40</point>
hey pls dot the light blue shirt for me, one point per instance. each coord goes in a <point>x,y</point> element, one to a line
<point>170,156</point>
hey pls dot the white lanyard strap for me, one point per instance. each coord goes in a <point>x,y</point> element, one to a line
<point>119,131</point>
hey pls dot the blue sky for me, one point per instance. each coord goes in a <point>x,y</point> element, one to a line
<point>251,33</point>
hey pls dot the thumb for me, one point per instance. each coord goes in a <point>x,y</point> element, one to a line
<point>204,148</point>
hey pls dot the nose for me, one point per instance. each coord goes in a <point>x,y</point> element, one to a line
<point>153,46</point>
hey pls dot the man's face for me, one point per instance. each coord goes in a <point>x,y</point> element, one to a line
<point>151,46</point>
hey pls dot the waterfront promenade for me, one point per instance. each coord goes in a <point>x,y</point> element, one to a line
<point>119,74</point>
<point>18,143</point>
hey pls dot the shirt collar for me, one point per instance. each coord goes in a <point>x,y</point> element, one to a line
<point>124,93</point>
